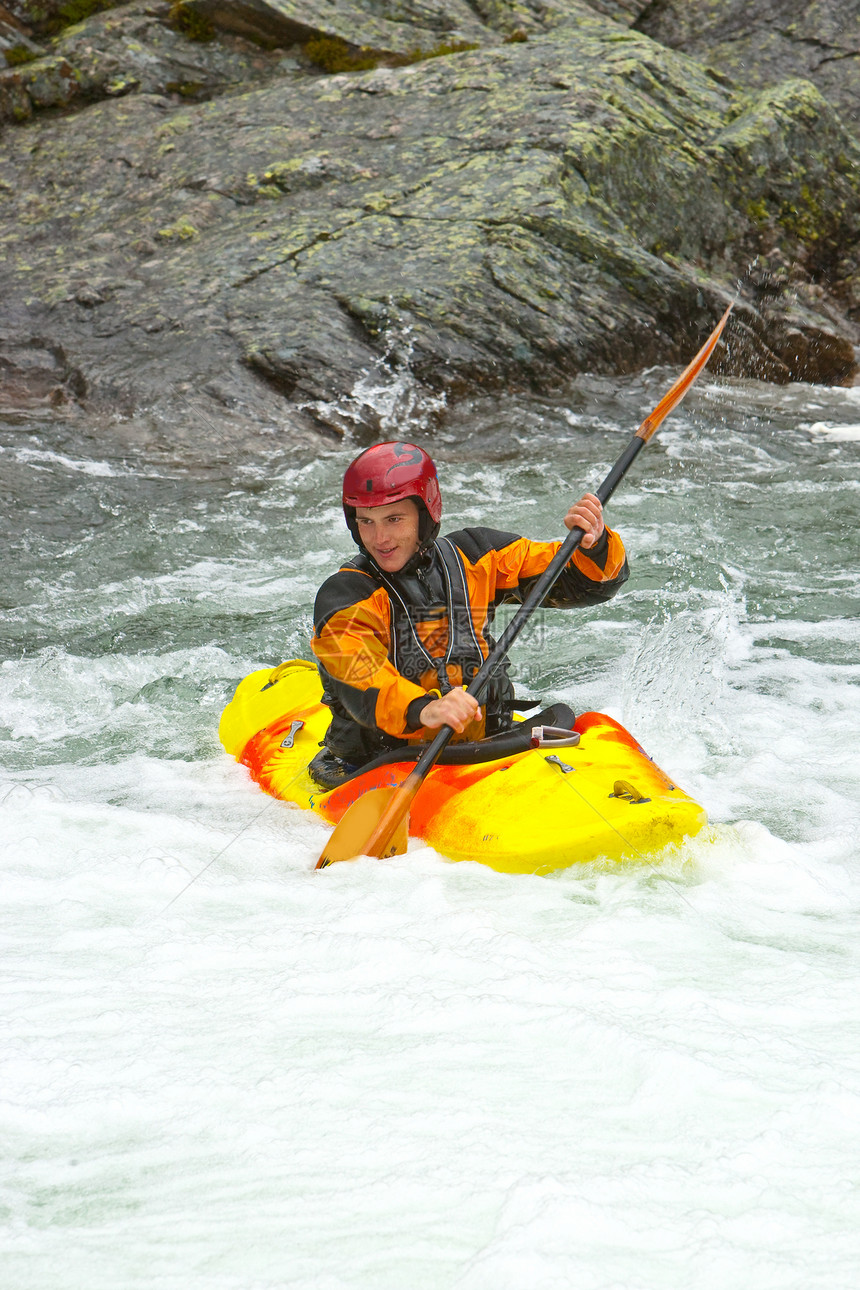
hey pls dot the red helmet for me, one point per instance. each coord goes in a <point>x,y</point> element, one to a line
<point>387,473</point>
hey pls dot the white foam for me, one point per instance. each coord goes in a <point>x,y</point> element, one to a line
<point>835,433</point>
<point>45,460</point>
<point>222,1070</point>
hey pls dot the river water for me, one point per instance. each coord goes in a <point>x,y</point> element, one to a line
<point>417,1074</point>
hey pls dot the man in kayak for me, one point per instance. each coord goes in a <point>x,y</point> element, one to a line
<point>402,629</point>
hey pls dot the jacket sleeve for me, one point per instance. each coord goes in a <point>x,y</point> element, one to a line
<point>350,642</point>
<point>589,578</point>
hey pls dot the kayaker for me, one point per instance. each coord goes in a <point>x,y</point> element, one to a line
<point>402,629</point>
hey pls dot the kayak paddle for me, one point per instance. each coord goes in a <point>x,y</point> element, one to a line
<point>377,823</point>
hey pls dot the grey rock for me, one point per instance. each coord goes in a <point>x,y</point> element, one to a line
<point>50,16</point>
<point>401,26</point>
<point>585,199</point>
<point>764,42</point>
<point>123,50</point>
<point>385,25</point>
<point>16,41</point>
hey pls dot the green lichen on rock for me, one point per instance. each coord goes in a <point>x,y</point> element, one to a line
<point>758,212</point>
<point>131,48</point>
<point>584,200</point>
<point>182,231</point>
<point>15,102</point>
<point>439,51</point>
<point>178,124</point>
<point>73,11</point>
<point>766,43</point>
<point>56,16</point>
<point>791,171</point>
<point>18,55</point>
<point>49,82</point>
<point>186,89</point>
<point>119,85</point>
<point>193,24</point>
<point>262,189</point>
<point>334,55</point>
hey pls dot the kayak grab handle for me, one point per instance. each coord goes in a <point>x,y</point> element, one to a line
<point>553,737</point>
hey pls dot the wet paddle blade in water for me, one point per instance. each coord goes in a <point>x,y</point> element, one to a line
<point>377,824</point>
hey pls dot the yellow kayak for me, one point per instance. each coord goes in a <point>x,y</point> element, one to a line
<point>533,811</point>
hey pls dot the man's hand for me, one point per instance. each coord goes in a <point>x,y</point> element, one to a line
<point>455,709</point>
<point>587,515</point>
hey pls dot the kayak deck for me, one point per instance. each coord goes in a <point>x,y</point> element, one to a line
<point>529,812</point>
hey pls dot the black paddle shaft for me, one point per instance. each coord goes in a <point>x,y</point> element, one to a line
<point>533,600</point>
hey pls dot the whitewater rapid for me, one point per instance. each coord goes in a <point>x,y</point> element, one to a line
<point>221,1070</point>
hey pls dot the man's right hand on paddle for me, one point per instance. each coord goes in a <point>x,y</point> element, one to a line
<point>455,709</point>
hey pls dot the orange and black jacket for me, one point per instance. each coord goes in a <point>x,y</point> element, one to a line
<point>387,644</point>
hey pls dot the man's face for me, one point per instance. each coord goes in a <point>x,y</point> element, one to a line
<point>389,533</point>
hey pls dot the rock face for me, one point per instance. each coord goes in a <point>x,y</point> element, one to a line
<point>571,195</point>
<point>763,42</point>
<point>391,27</point>
<point>133,49</point>
<point>400,26</point>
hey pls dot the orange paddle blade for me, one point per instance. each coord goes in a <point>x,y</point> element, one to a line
<point>377,824</point>
<point>674,396</point>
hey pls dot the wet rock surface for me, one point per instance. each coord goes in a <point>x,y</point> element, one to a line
<point>401,26</point>
<point>125,50</point>
<point>217,232</point>
<point>763,42</point>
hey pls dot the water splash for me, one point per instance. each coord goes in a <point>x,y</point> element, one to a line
<point>387,399</point>
<point>700,641</point>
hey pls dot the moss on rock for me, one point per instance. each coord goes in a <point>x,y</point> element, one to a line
<point>18,55</point>
<point>182,231</point>
<point>191,22</point>
<point>584,200</point>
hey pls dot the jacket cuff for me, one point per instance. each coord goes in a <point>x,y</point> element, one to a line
<point>414,710</point>
<point>600,550</point>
